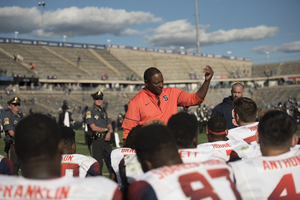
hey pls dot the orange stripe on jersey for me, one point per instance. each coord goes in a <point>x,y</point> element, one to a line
<point>250,139</point>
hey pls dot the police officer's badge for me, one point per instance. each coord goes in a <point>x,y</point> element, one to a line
<point>15,122</point>
<point>6,121</point>
<point>96,117</point>
<point>88,114</point>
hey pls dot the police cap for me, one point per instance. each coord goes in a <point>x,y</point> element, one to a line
<point>98,95</point>
<point>14,100</point>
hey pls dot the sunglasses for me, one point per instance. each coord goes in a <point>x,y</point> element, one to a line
<point>16,104</point>
<point>98,98</point>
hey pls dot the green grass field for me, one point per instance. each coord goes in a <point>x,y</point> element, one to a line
<point>81,147</point>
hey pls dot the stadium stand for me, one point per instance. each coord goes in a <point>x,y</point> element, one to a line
<point>128,65</point>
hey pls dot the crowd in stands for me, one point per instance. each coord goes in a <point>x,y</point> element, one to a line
<point>3,71</point>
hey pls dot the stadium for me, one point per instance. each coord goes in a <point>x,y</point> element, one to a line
<point>48,74</point>
<point>118,72</point>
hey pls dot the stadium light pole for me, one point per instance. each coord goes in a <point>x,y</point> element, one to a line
<point>197,34</point>
<point>229,52</point>
<point>42,4</point>
<point>268,56</point>
<point>181,49</point>
<point>108,41</point>
<point>16,34</point>
<point>64,37</point>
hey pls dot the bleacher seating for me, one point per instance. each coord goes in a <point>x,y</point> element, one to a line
<point>14,67</point>
<point>266,96</point>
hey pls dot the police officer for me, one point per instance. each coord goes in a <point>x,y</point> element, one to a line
<point>10,122</point>
<point>99,125</point>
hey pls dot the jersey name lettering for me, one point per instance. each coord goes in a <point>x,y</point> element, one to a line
<point>253,128</point>
<point>183,154</point>
<point>216,146</point>
<point>67,158</point>
<point>127,151</point>
<point>163,172</point>
<point>33,192</point>
<point>279,164</point>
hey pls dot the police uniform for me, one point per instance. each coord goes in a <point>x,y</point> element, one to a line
<point>9,123</point>
<point>100,148</point>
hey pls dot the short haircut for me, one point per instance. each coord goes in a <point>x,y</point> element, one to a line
<point>276,129</point>
<point>67,135</point>
<point>35,136</point>
<point>150,72</point>
<point>184,127</point>
<point>155,143</point>
<point>130,138</point>
<point>237,84</point>
<point>263,112</point>
<point>246,109</point>
<point>217,124</point>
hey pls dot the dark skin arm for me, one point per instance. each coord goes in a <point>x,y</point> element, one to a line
<point>204,87</point>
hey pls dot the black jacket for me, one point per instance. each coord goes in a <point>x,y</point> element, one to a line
<point>225,109</point>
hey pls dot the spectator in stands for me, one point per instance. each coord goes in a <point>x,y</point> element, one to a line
<point>78,60</point>
<point>274,175</point>
<point>157,102</point>
<point>225,108</point>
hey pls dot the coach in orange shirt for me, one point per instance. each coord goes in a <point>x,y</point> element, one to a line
<point>157,102</point>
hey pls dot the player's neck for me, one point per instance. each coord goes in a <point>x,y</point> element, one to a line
<point>177,160</point>
<point>14,112</point>
<point>41,168</point>
<point>273,152</point>
<point>245,123</point>
<point>68,151</point>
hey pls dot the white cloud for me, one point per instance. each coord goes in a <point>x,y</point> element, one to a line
<point>287,48</point>
<point>182,33</point>
<point>23,20</point>
<point>129,31</point>
<point>290,47</point>
<point>81,21</point>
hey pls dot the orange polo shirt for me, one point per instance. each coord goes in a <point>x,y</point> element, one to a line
<point>143,107</point>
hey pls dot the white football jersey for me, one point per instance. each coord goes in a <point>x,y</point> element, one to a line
<point>269,177</point>
<point>79,165</point>
<point>134,170</point>
<point>12,187</point>
<point>115,157</point>
<point>244,133</point>
<point>6,166</point>
<point>250,151</point>
<point>200,155</point>
<point>210,180</point>
<point>224,147</point>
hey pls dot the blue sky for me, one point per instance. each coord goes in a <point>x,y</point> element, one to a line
<point>247,28</point>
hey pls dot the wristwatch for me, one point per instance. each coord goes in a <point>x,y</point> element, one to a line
<point>107,129</point>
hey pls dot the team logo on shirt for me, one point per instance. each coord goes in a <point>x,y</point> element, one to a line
<point>6,121</point>
<point>165,98</point>
<point>88,114</point>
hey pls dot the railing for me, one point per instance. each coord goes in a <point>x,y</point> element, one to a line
<point>276,60</point>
